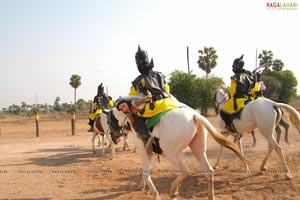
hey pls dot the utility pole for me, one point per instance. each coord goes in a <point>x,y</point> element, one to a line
<point>188,59</point>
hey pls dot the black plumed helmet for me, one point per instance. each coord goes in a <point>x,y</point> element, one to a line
<point>141,56</point>
<point>142,61</point>
<point>100,89</point>
<point>238,64</point>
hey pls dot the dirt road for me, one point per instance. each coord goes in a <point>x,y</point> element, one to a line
<point>57,165</point>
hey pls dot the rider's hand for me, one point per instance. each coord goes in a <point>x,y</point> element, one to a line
<point>149,96</point>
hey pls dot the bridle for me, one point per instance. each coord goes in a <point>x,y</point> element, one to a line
<point>217,104</point>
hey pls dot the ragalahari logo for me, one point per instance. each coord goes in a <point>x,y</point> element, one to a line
<point>282,5</point>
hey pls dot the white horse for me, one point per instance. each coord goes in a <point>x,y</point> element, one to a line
<point>265,115</point>
<point>221,98</point>
<point>102,129</point>
<point>176,130</point>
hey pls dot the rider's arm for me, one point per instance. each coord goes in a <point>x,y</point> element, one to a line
<point>140,103</point>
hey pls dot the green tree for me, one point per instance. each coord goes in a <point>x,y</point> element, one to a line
<point>14,109</point>
<point>184,86</point>
<point>193,91</point>
<point>273,86</point>
<point>75,82</point>
<point>57,107</point>
<point>289,85</point>
<point>207,89</point>
<point>24,107</point>
<point>207,59</point>
<point>277,65</point>
<point>280,85</point>
<point>81,104</point>
<point>266,57</point>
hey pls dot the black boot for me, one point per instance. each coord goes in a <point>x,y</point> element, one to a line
<point>91,123</point>
<point>140,127</point>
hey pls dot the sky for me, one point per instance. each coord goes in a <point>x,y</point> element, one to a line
<point>44,42</point>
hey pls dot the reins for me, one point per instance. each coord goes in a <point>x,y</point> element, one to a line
<point>223,100</point>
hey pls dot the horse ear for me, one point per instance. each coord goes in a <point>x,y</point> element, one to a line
<point>242,57</point>
<point>139,48</point>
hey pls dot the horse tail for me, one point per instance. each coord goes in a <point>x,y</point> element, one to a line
<point>294,116</point>
<point>203,122</point>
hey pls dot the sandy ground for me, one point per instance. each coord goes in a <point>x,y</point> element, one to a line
<point>57,165</point>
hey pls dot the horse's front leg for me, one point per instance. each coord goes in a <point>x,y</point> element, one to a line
<point>93,142</point>
<point>126,146</point>
<point>103,144</point>
<point>112,147</point>
<point>146,163</point>
<point>99,140</point>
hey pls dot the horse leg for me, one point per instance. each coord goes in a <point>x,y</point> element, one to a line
<point>254,138</point>
<point>182,174</point>
<point>286,128</point>
<point>146,162</point>
<point>216,165</point>
<point>93,142</point>
<point>102,139</point>
<point>198,148</point>
<point>99,140</point>
<point>240,145</point>
<point>274,145</point>
<point>112,147</point>
<point>126,146</point>
<point>278,134</point>
<point>286,170</point>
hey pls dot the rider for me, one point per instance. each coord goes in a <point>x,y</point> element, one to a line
<point>241,88</point>
<point>101,102</point>
<point>153,86</point>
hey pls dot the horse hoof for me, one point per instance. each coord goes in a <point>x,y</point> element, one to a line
<point>215,167</point>
<point>288,177</point>
<point>263,169</point>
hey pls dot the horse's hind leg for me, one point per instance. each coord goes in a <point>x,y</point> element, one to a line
<point>274,145</point>
<point>254,138</point>
<point>286,127</point>
<point>278,134</point>
<point>198,147</point>
<point>182,174</point>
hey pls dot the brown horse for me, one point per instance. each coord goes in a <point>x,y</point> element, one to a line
<point>104,126</point>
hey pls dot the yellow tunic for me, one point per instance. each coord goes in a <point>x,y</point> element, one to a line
<point>240,102</point>
<point>98,111</point>
<point>159,105</point>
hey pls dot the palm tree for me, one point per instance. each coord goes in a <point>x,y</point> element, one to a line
<point>266,57</point>
<point>75,83</point>
<point>207,61</point>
